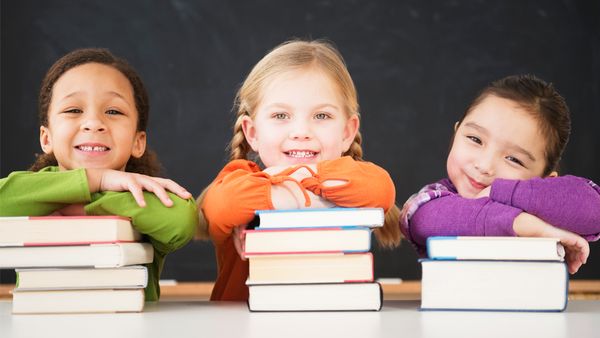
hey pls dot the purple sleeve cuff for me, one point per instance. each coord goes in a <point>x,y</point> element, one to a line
<point>503,191</point>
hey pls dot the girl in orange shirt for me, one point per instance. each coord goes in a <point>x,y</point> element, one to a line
<point>297,115</point>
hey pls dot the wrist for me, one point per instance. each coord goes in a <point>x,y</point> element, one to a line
<point>94,178</point>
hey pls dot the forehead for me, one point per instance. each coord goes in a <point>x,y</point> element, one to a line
<point>93,77</point>
<point>300,84</point>
<point>508,122</point>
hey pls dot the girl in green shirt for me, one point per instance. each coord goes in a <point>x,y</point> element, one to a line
<point>93,110</point>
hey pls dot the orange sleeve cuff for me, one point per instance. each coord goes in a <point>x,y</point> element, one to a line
<point>239,190</point>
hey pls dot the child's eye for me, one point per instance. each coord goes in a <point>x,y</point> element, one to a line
<point>475,139</point>
<point>73,111</point>
<point>280,116</point>
<point>113,112</point>
<point>322,116</point>
<point>515,160</point>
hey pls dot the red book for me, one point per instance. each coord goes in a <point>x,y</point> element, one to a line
<point>307,240</point>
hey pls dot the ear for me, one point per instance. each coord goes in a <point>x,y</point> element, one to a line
<point>139,144</point>
<point>456,126</point>
<point>45,140</point>
<point>553,174</point>
<point>350,131</point>
<point>249,130</point>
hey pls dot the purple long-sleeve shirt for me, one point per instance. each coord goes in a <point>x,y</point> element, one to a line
<point>568,202</point>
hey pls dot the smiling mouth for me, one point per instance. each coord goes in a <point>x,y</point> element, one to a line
<point>476,184</point>
<point>92,148</point>
<point>301,153</point>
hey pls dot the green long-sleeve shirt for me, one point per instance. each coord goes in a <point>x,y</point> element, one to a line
<point>26,193</point>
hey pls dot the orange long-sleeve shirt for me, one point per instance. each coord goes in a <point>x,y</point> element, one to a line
<point>241,188</point>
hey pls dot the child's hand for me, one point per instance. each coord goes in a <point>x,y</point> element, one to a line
<point>485,192</point>
<point>115,180</point>
<point>577,249</point>
<point>239,238</point>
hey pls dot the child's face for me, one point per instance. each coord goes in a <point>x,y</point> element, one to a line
<point>300,120</point>
<point>497,139</point>
<point>92,120</point>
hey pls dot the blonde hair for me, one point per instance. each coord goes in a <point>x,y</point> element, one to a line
<point>295,55</point>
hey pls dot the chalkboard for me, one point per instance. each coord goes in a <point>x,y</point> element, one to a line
<point>416,65</point>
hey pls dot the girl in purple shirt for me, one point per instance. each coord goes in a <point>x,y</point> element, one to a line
<point>502,175</point>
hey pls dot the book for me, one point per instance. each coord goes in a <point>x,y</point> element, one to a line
<point>307,240</point>
<point>310,268</point>
<point>78,301</point>
<point>93,255</point>
<point>134,276</point>
<point>320,217</point>
<point>315,297</point>
<point>63,230</point>
<point>502,248</point>
<point>494,285</point>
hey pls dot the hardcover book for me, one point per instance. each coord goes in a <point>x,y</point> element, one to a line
<point>326,217</point>
<point>502,248</point>
<point>315,297</point>
<point>494,285</point>
<point>93,255</point>
<point>61,230</point>
<point>134,276</point>
<point>310,268</point>
<point>307,240</point>
<point>78,301</point>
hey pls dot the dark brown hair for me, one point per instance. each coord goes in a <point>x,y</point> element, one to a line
<point>148,163</point>
<point>543,102</point>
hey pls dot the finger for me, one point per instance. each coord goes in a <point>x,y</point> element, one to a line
<point>136,191</point>
<point>173,187</point>
<point>157,189</point>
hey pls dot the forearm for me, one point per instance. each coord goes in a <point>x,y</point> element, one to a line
<point>349,183</point>
<point>168,228</point>
<point>568,202</point>
<point>458,216</point>
<point>40,193</point>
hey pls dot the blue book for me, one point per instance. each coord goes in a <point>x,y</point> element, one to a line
<point>326,217</point>
<point>479,285</point>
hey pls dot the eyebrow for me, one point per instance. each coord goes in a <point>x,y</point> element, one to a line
<point>287,106</point>
<point>109,93</point>
<point>510,145</point>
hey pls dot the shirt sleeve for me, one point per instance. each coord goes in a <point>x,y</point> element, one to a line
<point>453,215</point>
<point>366,184</point>
<point>568,202</point>
<point>168,228</point>
<point>28,193</point>
<point>239,190</point>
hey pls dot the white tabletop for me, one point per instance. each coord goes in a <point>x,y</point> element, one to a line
<point>229,319</point>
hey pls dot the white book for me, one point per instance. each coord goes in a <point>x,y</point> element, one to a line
<point>94,255</point>
<point>325,217</point>
<point>315,297</point>
<point>494,285</point>
<point>78,301</point>
<point>134,276</point>
<point>502,248</point>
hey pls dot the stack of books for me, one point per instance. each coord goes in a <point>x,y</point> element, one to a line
<point>75,264</point>
<point>313,260</point>
<point>494,274</point>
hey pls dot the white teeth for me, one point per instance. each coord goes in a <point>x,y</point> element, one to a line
<point>301,153</point>
<point>90,148</point>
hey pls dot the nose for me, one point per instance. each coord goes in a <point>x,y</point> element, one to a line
<point>93,124</point>
<point>300,130</point>
<point>485,165</point>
